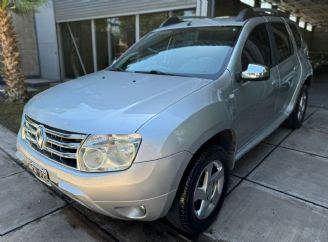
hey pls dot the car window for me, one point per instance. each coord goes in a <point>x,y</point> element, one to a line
<point>257,49</point>
<point>283,43</point>
<point>196,52</point>
<point>297,36</point>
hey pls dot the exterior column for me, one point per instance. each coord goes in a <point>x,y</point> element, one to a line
<point>202,8</point>
<point>94,45</point>
<point>137,27</point>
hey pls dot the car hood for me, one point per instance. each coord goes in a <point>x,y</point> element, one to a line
<point>109,102</point>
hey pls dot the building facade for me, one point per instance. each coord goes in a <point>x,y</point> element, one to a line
<point>79,37</point>
<point>75,38</point>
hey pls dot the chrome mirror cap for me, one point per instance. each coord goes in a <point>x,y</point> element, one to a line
<point>256,72</point>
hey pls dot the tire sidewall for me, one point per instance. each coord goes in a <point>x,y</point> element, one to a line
<point>306,91</point>
<point>213,154</point>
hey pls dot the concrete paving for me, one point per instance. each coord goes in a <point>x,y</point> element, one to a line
<point>23,199</point>
<point>296,173</point>
<point>255,213</point>
<point>308,140</point>
<point>7,167</point>
<point>319,121</point>
<point>63,225</point>
<point>319,90</point>
<point>247,163</point>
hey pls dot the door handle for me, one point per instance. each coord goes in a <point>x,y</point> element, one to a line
<point>295,68</point>
<point>275,83</point>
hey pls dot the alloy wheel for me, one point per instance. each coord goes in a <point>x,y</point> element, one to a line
<point>208,189</point>
<point>302,106</point>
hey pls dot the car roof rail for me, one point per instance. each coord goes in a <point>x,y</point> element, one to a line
<point>249,13</point>
<point>180,19</point>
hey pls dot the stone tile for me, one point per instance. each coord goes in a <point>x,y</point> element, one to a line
<point>308,140</point>
<point>254,213</point>
<point>133,231</point>
<point>233,183</point>
<point>63,225</point>
<point>296,173</point>
<point>7,166</point>
<point>24,199</point>
<point>249,161</point>
<point>278,136</point>
<point>318,121</point>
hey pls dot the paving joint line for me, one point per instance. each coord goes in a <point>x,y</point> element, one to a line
<point>304,152</point>
<point>34,220</point>
<point>285,193</point>
<point>274,149</point>
<point>16,173</point>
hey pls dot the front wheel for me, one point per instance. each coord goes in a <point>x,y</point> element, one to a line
<point>201,192</point>
<point>296,118</point>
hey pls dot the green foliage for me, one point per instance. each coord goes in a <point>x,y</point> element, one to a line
<point>21,6</point>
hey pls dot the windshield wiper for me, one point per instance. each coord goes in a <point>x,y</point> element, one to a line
<point>156,72</point>
<point>116,69</point>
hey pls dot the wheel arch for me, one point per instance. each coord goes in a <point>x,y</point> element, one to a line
<point>226,139</point>
<point>308,81</point>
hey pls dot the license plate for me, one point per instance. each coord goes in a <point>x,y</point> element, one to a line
<point>40,173</point>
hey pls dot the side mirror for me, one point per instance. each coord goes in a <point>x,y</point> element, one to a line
<point>256,72</point>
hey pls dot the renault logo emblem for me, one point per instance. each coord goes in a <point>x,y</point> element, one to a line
<point>40,137</point>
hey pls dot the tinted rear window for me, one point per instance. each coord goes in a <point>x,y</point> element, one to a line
<point>281,37</point>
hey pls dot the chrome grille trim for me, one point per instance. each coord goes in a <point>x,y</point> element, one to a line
<point>65,135</point>
<point>60,146</point>
<point>64,145</point>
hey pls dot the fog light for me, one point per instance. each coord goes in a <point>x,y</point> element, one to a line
<point>137,212</point>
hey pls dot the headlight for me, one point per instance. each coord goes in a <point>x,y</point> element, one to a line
<point>101,153</point>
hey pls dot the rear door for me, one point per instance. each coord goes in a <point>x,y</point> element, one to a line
<point>288,63</point>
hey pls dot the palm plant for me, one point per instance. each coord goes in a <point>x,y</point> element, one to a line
<point>12,70</point>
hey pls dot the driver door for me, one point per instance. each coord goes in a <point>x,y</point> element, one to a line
<point>256,100</point>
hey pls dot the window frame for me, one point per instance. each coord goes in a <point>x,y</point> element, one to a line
<point>275,47</point>
<point>267,27</point>
<point>291,26</point>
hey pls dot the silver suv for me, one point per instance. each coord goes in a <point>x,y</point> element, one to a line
<point>158,132</point>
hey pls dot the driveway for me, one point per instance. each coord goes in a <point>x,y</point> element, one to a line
<point>281,188</point>
<point>278,192</point>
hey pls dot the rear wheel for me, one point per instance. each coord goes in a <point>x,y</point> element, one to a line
<point>201,192</point>
<point>296,118</point>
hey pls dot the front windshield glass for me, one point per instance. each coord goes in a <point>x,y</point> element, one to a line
<point>196,52</point>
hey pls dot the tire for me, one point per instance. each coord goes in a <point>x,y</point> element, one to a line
<point>296,118</point>
<point>188,213</point>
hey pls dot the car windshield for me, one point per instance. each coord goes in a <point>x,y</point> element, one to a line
<point>196,52</point>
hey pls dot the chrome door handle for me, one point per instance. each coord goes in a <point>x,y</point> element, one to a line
<point>275,83</point>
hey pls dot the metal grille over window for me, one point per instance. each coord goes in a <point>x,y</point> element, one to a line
<point>59,146</point>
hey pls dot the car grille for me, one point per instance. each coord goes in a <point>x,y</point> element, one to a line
<point>59,146</point>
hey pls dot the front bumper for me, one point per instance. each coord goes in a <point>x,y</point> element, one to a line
<point>143,192</point>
